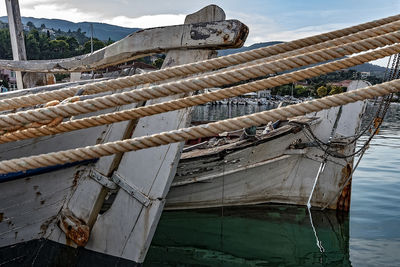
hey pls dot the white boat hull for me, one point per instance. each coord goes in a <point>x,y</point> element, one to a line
<point>269,171</point>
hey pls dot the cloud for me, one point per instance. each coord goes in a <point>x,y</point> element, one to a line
<point>147,21</point>
<point>53,9</point>
<point>266,29</point>
<point>289,35</point>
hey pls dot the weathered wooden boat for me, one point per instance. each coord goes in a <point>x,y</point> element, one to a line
<point>276,167</point>
<point>45,209</point>
<point>76,179</point>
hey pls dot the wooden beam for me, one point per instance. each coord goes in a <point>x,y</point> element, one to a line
<point>16,36</point>
<point>205,35</point>
<point>128,226</point>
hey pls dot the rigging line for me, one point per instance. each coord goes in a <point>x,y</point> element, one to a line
<point>387,68</point>
<point>320,170</point>
<point>379,114</point>
<point>395,58</point>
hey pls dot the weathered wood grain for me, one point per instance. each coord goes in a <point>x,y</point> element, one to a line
<point>30,205</point>
<point>150,170</point>
<point>204,35</point>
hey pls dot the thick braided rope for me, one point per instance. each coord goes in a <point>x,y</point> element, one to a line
<point>381,30</point>
<point>211,129</point>
<point>190,101</point>
<point>199,67</point>
<point>100,103</point>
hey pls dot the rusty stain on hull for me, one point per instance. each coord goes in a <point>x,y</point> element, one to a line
<point>74,229</point>
<point>343,202</point>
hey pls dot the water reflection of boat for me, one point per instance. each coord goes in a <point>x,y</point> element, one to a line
<point>262,235</point>
<point>284,165</point>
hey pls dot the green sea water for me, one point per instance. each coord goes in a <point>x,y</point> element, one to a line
<point>279,235</point>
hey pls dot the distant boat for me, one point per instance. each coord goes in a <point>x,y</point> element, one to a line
<point>279,166</point>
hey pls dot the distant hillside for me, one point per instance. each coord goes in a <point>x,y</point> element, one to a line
<point>374,69</point>
<point>368,67</point>
<point>102,31</point>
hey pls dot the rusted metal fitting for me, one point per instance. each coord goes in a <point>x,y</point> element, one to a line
<point>74,229</point>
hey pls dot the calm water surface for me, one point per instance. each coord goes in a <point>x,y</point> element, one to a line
<point>276,235</point>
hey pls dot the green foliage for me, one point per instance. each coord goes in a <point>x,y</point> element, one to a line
<point>5,44</point>
<point>60,76</point>
<point>30,25</point>
<point>322,91</point>
<point>58,46</point>
<point>300,91</point>
<point>97,44</point>
<point>40,45</point>
<point>282,90</point>
<point>109,41</point>
<point>158,63</point>
<point>32,46</point>
<point>73,43</point>
<point>335,90</point>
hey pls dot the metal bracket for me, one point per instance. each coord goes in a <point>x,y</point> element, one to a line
<point>131,190</point>
<point>117,181</point>
<point>103,180</point>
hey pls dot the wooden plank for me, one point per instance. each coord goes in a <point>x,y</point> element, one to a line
<point>213,35</point>
<point>150,170</point>
<point>30,205</point>
<point>16,36</point>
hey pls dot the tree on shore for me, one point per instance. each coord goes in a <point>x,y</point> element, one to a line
<point>322,91</point>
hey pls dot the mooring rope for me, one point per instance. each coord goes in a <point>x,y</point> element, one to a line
<point>194,100</point>
<point>381,30</point>
<point>189,85</point>
<point>210,129</point>
<point>365,30</point>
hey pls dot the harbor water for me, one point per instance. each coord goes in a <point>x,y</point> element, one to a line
<point>281,235</point>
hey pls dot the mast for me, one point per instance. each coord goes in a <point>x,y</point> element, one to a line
<point>16,35</point>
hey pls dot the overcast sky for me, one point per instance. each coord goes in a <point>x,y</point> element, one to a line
<point>268,20</point>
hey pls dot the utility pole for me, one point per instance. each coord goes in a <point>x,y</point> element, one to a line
<point>91,44</point>
<point>16,36</point>
<point>91,38</point>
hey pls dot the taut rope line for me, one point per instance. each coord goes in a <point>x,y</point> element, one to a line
<point>256,119</point>
<point>193,84</point>
<point>140,112</point>
<point>208,65</point>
